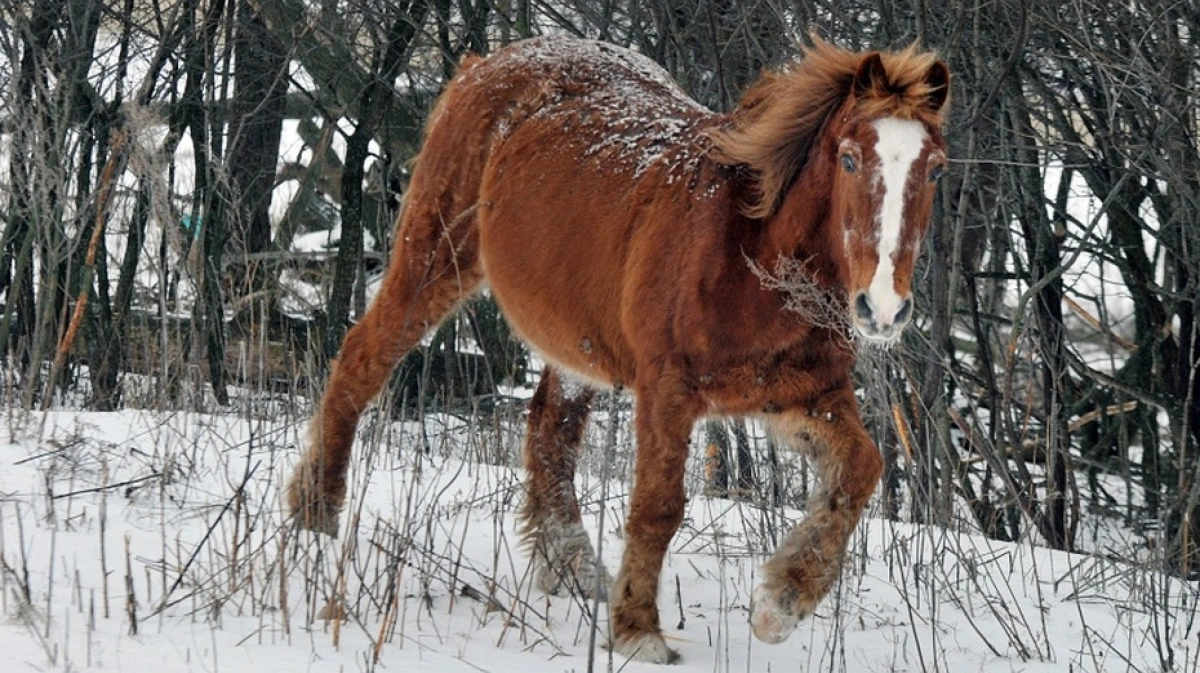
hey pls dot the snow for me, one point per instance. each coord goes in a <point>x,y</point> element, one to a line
<point>195,500</point>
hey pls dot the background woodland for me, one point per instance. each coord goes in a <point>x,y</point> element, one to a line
<point>197,195</point>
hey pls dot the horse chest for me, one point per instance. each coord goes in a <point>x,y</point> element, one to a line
<point>770,383</point>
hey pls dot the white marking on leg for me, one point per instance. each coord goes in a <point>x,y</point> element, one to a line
<point>769,621</point>
<point>647,647</point>
<point>898,146</point>
<point>565,560</point>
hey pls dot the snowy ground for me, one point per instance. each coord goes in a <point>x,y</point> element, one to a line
<point>170,523</point>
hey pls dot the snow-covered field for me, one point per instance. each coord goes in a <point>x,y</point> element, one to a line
<point>152,541</point>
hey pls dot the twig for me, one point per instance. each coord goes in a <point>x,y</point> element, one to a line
<point>1090,319</point>
<point>679,601</point>
<point>130,597</point>
<point>106,487</point>
<point>164,604</point>
<point>1096,414</point>
<point>902,430</point>
<point>610,447</point>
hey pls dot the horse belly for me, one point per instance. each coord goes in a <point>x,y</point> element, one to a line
<point>557,283</point>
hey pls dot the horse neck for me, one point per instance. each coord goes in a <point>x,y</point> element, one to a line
<point>803,228</point>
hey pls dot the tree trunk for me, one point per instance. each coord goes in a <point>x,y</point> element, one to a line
<point>260,85</point>
<point>373,103</point>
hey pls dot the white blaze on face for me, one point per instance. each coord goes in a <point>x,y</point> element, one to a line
<point>899,144</point>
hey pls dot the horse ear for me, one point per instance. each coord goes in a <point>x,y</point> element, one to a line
<point>871,75</point>
<point>938,79</point>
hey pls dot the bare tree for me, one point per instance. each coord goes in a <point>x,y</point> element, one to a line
<point>1057,349</point>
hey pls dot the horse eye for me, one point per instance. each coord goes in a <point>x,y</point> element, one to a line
<point>936,173</point>
<point>848,163</point>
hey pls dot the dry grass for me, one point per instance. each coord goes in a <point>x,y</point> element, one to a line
<point>184,510</point>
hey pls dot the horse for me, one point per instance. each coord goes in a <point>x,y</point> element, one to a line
<point>638,241</point>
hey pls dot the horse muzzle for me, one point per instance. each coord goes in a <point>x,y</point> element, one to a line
<point>880,326</point>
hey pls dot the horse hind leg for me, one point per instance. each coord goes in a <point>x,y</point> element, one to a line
<point>434,267</point>
<point>550,521</point>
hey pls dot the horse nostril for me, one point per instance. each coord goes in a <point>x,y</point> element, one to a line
<point>862,307</point>
<point>905,313</point>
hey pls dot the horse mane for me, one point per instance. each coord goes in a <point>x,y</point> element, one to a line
<point>779,119</point>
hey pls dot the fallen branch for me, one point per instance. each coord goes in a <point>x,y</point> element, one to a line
<point>116,159</point>
<point>1096,414</point>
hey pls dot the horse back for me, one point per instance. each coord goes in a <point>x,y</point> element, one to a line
<point>603,227</point>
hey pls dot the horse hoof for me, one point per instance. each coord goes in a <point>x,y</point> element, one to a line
<point>557,581</point>
<point>310,510</point>
<point>564,561</point>
<point>650,648</point>
<point>771,622</point>
<point>319,517</point>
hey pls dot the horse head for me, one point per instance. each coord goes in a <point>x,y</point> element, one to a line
<point>887,152</point>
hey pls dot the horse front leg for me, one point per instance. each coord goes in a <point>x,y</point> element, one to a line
<point>808,562</point>
<point>655,512</point>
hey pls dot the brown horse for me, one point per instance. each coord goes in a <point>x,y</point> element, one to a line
<point>634,238</point>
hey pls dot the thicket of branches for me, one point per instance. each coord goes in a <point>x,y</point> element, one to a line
<point>1052,374</point>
